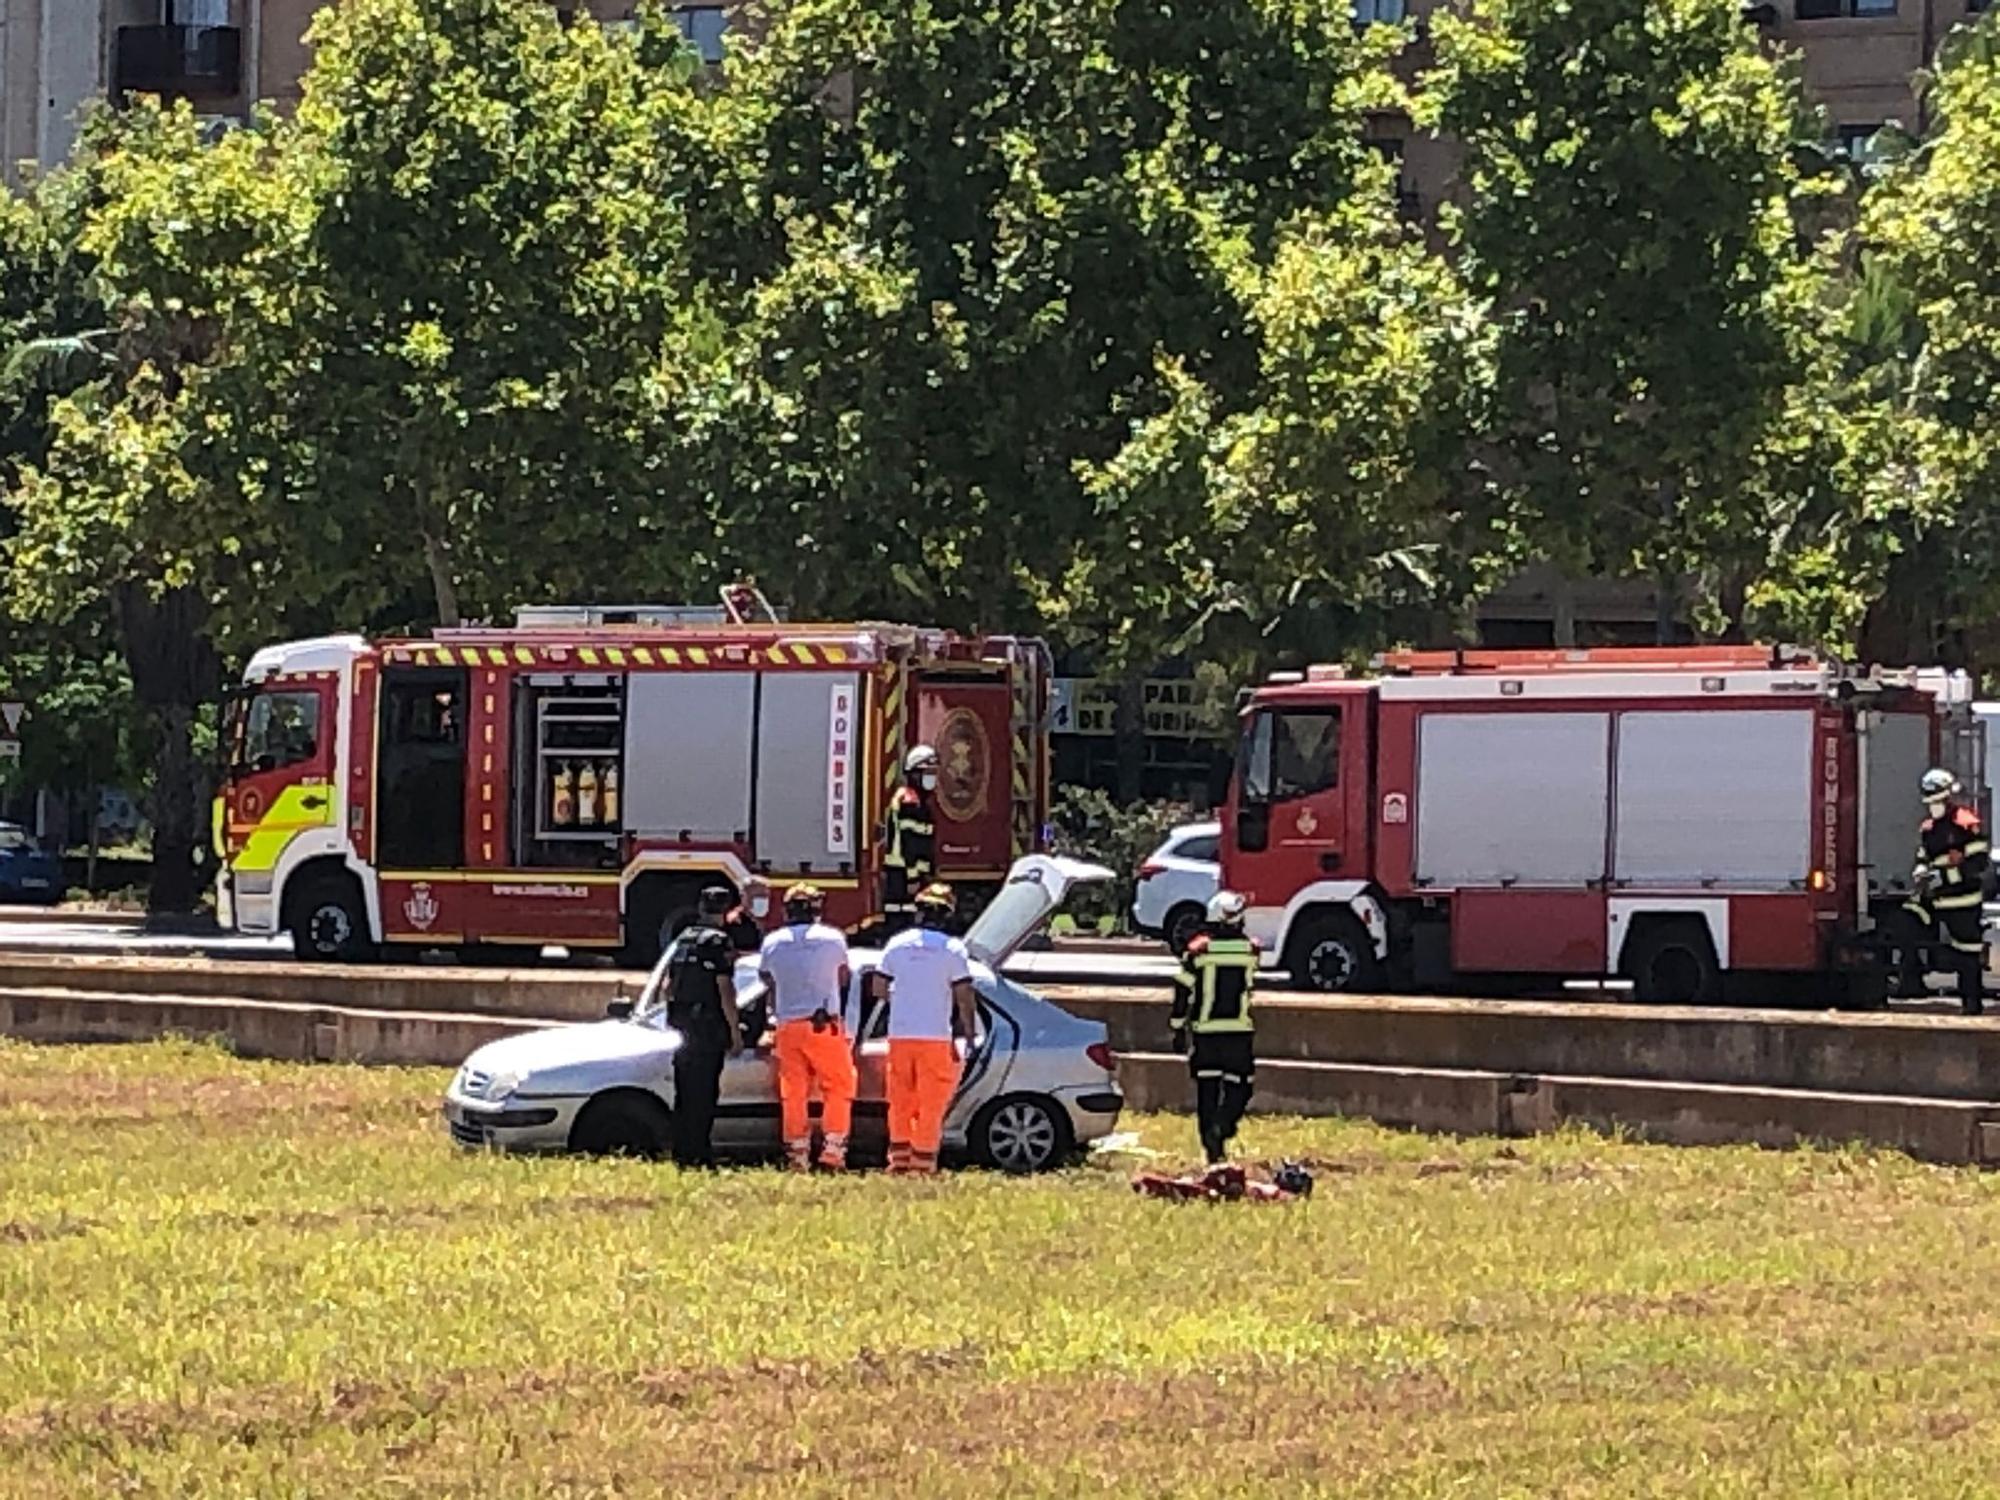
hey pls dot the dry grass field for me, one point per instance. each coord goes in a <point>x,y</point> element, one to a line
<point>221,1278</point>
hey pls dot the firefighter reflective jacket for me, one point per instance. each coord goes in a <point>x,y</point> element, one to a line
<point>1955,846</point>
<point>1212,990</point>
<point>912,835</point>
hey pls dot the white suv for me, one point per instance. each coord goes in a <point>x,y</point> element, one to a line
<point>1175,883</point>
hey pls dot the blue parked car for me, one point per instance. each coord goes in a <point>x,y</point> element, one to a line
<point>27,872</point>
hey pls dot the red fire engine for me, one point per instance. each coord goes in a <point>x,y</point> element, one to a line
<point>1674,817</point>
<point>578,778</point>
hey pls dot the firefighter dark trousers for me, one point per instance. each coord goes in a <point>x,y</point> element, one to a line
<point>1224,1068</point>
<point>697,1088</point>
<point>1964,935</point>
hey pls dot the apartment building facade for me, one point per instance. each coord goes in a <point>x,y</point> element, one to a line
<point>223,56</point>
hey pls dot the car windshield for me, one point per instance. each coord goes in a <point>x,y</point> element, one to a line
<point>16,841</point>
<point>651,1006</point>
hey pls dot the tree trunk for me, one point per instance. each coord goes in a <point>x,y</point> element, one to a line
<point>174,671</point>
<point>1128,724</point>
<point>1666,609</point>
<point>1562,606</point>
<point>437,557</point>
<point>96,839</point>
<point>175,886</point>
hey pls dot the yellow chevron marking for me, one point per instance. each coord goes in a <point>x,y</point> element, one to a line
<point>643,655</point>
<point>588,655</point>
<point>698,655</point>
<point>524,656</point>
<point>616,656</point>
<point>670,656</point>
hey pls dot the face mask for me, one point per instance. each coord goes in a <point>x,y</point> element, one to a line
<point>1936,808</point>
<point>759,905</point>
<point>928,781</point>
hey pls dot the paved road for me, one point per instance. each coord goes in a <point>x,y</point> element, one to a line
<point>1142,966</point>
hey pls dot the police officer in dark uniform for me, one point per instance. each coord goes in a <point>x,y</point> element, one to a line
<point>1212,1016</point>
<point>909,862</point>
<point>1949,892</point>
<point>701,1006</point>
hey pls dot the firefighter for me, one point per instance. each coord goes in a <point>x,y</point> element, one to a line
<point>1948,891</point>
<point>701,1006</point>
<point>745,922</point>
<point>910,860</point>
<point>927,975</point>
<point>806,970</point>
<point>1211,1016</point>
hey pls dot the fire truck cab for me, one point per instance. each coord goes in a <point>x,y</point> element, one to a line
<point>576,779</point>
<point>1677,818</point>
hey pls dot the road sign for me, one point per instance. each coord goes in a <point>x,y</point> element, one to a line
<point>13,714</point>
<point>10,749</point>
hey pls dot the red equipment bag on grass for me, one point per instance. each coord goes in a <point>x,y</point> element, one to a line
<point>1226,1183</point>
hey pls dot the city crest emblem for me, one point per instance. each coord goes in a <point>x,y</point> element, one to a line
<point>422,907</point>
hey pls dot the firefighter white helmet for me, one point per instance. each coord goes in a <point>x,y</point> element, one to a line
<point>923,758</point>
<point>1939,784</point>
<point>1227,907</point>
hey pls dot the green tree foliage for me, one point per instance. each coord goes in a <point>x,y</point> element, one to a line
<point>1928,480</point>
<point>1632,210</point>
<point>1050,262</point>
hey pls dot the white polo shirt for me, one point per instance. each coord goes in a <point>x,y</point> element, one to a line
<point>922,966</point>
<point>804,961</point>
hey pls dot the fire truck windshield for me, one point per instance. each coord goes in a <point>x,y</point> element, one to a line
<point>1289,754</point>
<point>274,730</point>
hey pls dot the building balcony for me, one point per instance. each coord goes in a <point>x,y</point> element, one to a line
<point>180,62</point>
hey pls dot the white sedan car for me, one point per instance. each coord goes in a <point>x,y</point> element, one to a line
<point>1038,1082</point>
<point>1170,900</point>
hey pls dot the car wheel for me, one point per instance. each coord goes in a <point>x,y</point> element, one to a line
<point>1021,1134</point>
<point>1334,954</point>
<point>621,1125</point>
<point>329,924</point>
<point>1182,923</point>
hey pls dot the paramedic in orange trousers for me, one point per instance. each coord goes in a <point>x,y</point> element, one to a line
<point>927,975</point>
<point>806,971</point>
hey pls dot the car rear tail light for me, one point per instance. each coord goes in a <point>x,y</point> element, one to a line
<point>1101,1054</point>
<point>1151,868</point>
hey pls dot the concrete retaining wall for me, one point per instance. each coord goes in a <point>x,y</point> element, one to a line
<point>541,994</point>
<point>1938,1057</point>
<point>1469,1102</point>
<point>256,1028</point>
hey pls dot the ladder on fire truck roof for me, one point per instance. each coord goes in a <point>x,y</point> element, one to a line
<point>1467,663</point>
<point>742,604</point>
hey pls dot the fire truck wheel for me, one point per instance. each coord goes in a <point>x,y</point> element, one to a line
<point>1333,953</point>
<point>1673,963</point>
<point>1183,922</point>
<point>328,922</point>
<point>659,909</point>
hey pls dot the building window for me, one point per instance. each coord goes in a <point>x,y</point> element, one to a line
<point>1860,144</point>
<point>1367,12</point>
<point>1828,10</point>
<point>196,12</point>
<point>703,26</point>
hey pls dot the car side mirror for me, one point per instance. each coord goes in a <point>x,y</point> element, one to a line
<point>619,1010</point>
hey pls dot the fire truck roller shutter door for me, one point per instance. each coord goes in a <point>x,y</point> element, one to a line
<point>1715,798</point>
<point>687,754</point>
<point>1895,753</point>
<point>808,759</point>
<point>1512,799</point>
